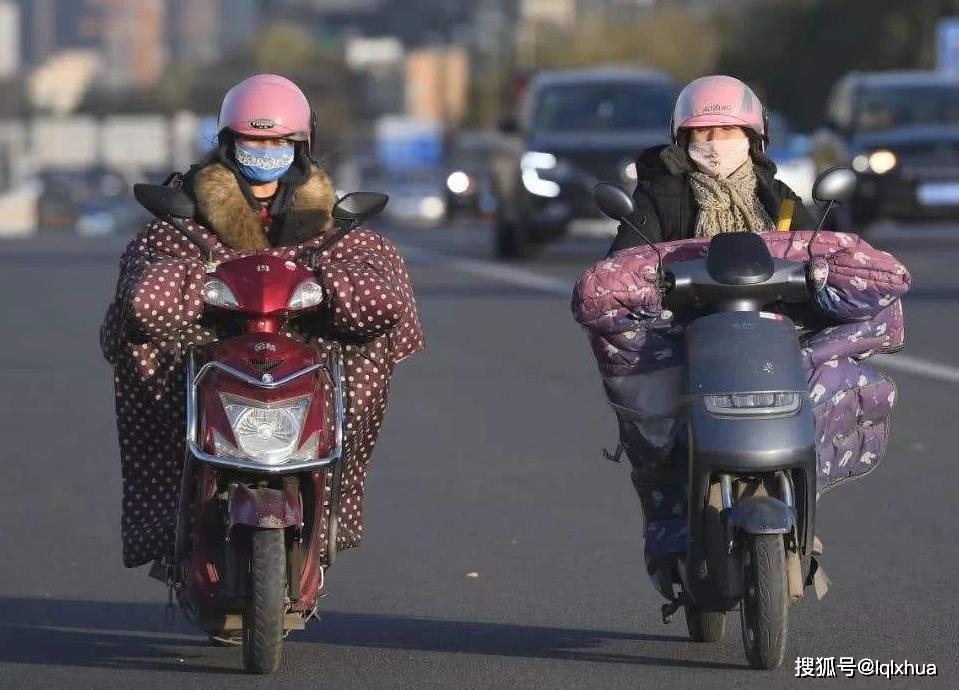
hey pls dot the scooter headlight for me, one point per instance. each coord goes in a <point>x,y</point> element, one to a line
<point>218,294</point>
<point>307,294</point>
<point>266,432</point>
<point>754,404</point>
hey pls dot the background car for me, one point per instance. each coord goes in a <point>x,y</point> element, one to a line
<point>65,191</point>
<point>468,184</point>
<point>792,154</point>
<point>576,128</point>
<point>417,197</point>
<point>106,216</point>
<point>900,132</point>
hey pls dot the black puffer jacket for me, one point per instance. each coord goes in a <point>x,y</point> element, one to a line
<point>666,208</point>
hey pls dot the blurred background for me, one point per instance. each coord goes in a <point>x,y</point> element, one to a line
<point>501,550</point>
<point>437,101</point>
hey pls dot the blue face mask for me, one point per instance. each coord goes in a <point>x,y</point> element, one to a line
<point>262,164</point>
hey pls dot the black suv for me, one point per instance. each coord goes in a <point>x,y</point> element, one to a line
<point>577,128</point>
<point>900,132</point>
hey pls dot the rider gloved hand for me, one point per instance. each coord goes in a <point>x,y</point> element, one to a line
<point>818,273</point>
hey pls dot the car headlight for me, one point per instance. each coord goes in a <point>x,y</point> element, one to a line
<point>309,293</point>
<point>530,165</point>
<point>218,294</point>
<point>880,162</point>
<point>754,404</point>
<point>266,432</point>
<point>458,182</point>
<point>431,207</point>
<point>538,160</point>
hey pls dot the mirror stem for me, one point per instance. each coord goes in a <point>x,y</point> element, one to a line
<point>822,221</point>
<point>659,256</point>
<point>343,228</point>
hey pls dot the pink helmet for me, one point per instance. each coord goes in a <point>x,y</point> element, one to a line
<point>718,101</point>
<point>267,105</point>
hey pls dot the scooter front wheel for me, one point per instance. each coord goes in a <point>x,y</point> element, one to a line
<point>764,607</point>
<point>266,608</point>
<point>705,626</point>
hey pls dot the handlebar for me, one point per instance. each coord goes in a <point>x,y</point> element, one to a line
<point>690,285</point>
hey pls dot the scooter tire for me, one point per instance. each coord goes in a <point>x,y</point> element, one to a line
<point>266,608</point>
<point>765,604</point>
<point>705,626</point>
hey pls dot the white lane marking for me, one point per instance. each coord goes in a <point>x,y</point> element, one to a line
<point>932,232</point>
<point>919,367</point>
<point>498,272</point>
<point>555,286</point>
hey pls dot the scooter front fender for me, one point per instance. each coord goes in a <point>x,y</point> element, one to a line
<point>264,508</point>
<point>760,515</point>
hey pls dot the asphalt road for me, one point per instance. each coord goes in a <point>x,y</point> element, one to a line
<point>489,464</point>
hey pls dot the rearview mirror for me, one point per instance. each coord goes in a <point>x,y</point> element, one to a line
<point>163,201</point>
<point>836,185</point>
<point>359,206</point>
<point>613,201</point>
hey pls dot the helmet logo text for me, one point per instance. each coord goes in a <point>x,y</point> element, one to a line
<point>263,123</point>
<point>717,108</point>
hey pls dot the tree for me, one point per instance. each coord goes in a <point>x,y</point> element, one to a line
<point>792,51</point>
<point>681,42</point>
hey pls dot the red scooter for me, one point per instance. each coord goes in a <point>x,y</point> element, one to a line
<point>259,497</point>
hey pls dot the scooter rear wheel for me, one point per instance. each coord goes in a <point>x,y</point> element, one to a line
<point>705,626</point>
<point>263,620</point>
<point>764,607</point>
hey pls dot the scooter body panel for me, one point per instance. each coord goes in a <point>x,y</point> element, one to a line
<point>742,353</point>
<point>265,508</point>
<point>760,515</point>
<point>225,503</point>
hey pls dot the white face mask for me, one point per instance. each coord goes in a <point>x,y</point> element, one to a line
<point>720,157</point>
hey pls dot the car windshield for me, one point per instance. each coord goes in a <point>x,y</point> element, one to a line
<point>908,106</point>
<point>602,107</point>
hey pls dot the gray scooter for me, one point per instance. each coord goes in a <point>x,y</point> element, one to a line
<point>751,441</point>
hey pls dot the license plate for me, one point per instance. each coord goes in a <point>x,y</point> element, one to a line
<point>938,194</point>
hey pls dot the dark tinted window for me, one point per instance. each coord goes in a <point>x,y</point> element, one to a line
<point>600,107</point>
<point>904,106</point>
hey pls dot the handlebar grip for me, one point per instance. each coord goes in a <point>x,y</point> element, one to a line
<point>817,273</point>
<point>799,287</point>
<point>666,281</point>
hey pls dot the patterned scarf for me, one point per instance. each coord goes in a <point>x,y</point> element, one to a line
<point>729,205</point>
